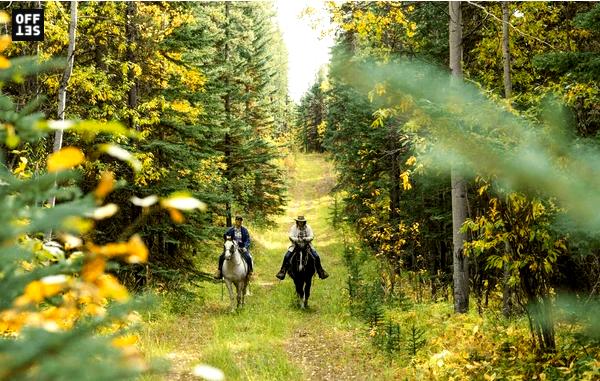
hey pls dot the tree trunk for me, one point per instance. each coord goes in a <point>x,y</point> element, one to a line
<point>459,187</point>
<point>62,90</point>
<point>506,291</point>
<point>395,188</point>
<point>506,50</point>
<point>228,163</point>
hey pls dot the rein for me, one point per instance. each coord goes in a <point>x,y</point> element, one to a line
<point>304,254</point>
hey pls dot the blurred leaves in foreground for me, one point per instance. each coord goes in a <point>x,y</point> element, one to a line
<point>467,129</point>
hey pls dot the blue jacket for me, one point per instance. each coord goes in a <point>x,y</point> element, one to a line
<point>245,236</point>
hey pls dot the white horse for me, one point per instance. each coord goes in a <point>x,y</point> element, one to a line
<point>235,270</point>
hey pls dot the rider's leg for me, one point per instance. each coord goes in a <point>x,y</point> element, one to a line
<point>322,273</point>
<point>248,258</point>
<point>284,266</point>
<point>219,273</point>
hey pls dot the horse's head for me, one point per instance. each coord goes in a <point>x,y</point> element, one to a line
<point>230,248</point>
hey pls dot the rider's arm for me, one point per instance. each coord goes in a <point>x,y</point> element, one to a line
<point>293,233</point>
<point>309,234</point>
<point>247,241</point>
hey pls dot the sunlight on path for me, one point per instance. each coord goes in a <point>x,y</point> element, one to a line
<point>271,338</point>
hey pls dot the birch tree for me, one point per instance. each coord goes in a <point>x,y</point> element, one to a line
<point>506,291</point>
<point>459,186</point>
<point>64,82</point>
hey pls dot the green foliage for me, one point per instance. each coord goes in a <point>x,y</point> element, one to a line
<point>58,309</point>
<point>397,124</point>
<point>160,69</point>
<point>312,116</point>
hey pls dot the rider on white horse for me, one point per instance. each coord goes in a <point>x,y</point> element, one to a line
<point>301,231</point>
<point>241,236</point>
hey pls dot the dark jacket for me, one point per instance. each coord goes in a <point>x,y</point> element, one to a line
<point>245,236</point>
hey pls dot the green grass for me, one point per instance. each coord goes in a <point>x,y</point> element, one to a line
<point>272,339</point>
<point>268,339</point>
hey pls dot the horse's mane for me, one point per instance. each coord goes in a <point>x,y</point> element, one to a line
<point>309,268</point>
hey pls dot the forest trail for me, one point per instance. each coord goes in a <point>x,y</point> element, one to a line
<point>271,338</point>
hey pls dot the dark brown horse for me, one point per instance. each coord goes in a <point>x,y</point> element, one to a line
<point>302,270</point>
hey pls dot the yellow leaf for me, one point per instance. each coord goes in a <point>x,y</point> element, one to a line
<point>5,41</point>
<point>121,154</point>
<point>124,341</point>
<point>411,160</point>
<point>110,250</point>
<point>138,252</point>
<point>27,266</point>
<point>59,124</point>
<point>21,167</point>
<point>105,211</point>
<point>93,269</point>
<point>110,287</point>
<point>66,158</point>
<point>77,223</point>
<point>4,17</point>
<point>33,293</point>
<point>71,241</point>
<point>12,139</point>
<point>38,290</point>
<point>405,183</point>
<point>106,185</point>
<point>144,202</point>
<point>176,216</point>
<point>94,310</point>
<point>4,62</point>
<point>182,202</point>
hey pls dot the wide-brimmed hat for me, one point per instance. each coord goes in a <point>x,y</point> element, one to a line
<point>300,219</point>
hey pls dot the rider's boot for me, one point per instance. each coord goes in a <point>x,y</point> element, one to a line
<point>218,274</point>
<point>281,274</point>
<point>320,270</point>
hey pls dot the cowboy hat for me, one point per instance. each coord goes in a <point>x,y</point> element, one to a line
<point>300,219</point>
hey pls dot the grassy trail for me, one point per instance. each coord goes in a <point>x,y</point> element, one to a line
<point>271,338</point>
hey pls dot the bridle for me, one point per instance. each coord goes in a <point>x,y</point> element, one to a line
<point>228,249</point>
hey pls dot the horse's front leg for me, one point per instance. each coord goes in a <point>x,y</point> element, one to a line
<point>238,288</point>
<point>307,291</point>
<point>300,291</point>
<point>230,289</point>
<point>242,294</point>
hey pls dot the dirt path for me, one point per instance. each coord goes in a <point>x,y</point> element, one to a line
<point>271,338</point>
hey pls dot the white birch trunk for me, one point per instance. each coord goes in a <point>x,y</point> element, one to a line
<point>62,90</point>
<point>459,186</point>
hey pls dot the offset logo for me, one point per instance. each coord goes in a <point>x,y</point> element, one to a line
<point>28,25</point>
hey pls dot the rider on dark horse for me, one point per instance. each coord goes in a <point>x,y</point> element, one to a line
<point>301,231</point>
<point>241,236</point>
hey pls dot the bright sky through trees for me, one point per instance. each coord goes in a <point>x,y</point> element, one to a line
<point>307,49</point>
